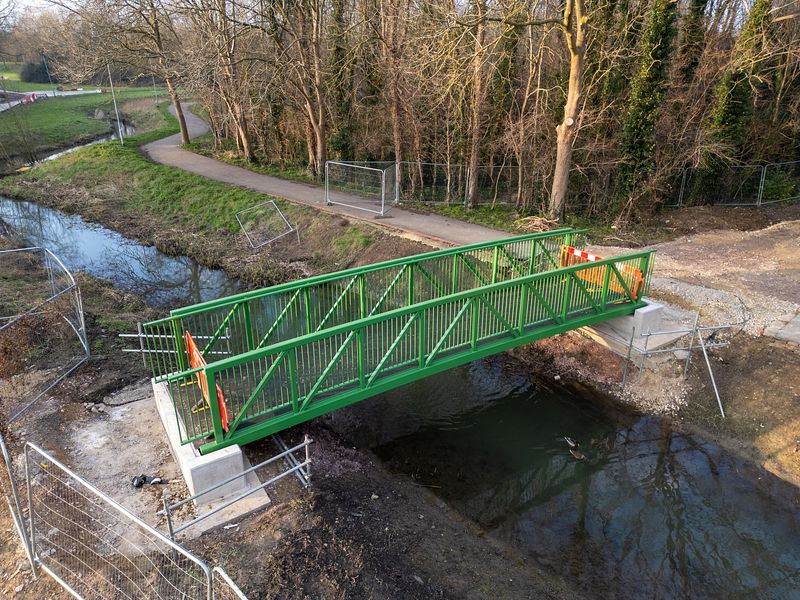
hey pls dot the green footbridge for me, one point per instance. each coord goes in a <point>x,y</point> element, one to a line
<point>268,359</point>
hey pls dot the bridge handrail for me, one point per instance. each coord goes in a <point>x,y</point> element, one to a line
<point>408,310</point>
<point>396,262</point>
<point>254,319</point>
<point>572,308</point>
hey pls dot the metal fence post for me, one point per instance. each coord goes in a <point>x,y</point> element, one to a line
<point>31,530</point>
<point>761,185</point>
<point>307,441</point>
<point>683,187</point>
<point>466,189</point>
<point>327,191</point>
<point>397,174</point>
<point>165,502</point>
<point>383,192</point>
<point>691,341</point>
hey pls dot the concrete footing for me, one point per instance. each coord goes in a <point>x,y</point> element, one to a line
<point>616,333</point>
<point>202,472</point>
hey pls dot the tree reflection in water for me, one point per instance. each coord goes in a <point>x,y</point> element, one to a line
<point>162,280</point>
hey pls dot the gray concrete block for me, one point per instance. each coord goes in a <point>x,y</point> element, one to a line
<point>200,471</point>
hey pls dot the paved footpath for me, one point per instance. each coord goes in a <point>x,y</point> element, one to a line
<point>168,151</point>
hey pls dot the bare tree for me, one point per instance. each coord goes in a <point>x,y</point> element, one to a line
<point>6,12</point>
<point>139,34</point>
<point>574,26</point>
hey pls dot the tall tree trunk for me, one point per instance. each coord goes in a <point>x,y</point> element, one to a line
<point>478,100</point>
<point>574,27</point>
<point>176,104</point>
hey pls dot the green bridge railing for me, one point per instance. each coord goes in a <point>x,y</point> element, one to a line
<point>270,388</point>
<point>236,324</point>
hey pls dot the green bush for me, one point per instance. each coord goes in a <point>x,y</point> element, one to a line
<point>34,73</point>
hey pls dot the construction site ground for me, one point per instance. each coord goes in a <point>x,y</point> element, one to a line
<point>365,532</point>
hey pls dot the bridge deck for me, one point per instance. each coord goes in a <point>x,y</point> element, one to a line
<point>289,353</point>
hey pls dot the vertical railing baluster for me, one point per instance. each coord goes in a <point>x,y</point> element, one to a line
<point>293,388</point>
<point>606,282</point>
<point>421,337</point>
<point>213,404</point>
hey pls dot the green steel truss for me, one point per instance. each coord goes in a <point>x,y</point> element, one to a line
<point>289,353</point>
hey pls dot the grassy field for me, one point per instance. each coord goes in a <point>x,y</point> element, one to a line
<point>9,79</point>
<point>31,130</point>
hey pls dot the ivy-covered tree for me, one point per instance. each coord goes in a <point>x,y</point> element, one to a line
<point>735,99</point>
<point>693,38</point>
<point>647,95</point>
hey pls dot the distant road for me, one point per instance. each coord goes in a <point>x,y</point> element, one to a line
<point>16,98</point>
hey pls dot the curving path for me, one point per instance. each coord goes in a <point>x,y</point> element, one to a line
<point>168,151</point>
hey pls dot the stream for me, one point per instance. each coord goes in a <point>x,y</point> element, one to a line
<point>640,511</point>
<point>163,281</point>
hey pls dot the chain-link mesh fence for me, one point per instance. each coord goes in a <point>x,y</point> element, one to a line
<point>737,185</point>
<point>42,332</point>
<point>367,185</point>
<point>433,183</point>
<point>264,223</point>
<point>97,549</point>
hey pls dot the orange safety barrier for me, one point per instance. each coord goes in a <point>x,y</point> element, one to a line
<point>633,277</point>
<point>197,360</point>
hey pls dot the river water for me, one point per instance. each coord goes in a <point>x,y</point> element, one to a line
<point>164,281</point>
<point>640,511</point>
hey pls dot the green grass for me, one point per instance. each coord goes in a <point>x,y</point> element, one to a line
<point>56,123</point>
<point>9,80</point>
<point>353,240</point>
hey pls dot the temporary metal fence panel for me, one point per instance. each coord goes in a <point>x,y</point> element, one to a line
<point>224,587</point>
<point>369,185</point>
<point>301,469</point>
<point>42,331</point>
<point>264,223</point>
<point>95,548</point>
<point>739,185</point>
<point>781,182</point>
<point>289,382</point>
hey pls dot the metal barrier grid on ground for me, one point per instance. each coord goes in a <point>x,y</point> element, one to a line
<point>370,186</point>
<point>264,223</point>
<point>49,336</point>
<point>302,470</point>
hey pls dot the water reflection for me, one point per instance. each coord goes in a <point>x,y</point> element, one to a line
<point>162,280</point>
<point>649,513</point>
